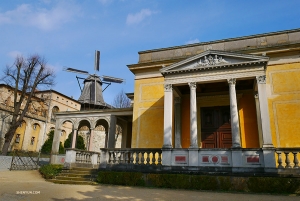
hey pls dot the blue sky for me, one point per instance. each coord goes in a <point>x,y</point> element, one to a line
<point>67,33</point>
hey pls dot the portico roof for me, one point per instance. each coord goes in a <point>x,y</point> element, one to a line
<point>213,59</point>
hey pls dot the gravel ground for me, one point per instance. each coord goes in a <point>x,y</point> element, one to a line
<point>29,185</point>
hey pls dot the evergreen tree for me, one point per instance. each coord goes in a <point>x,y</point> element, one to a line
<point>79,144</point>
<point>47,146</point>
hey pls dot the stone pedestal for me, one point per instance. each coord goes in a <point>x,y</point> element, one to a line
<point>193,157</point>
<point>166,157</point>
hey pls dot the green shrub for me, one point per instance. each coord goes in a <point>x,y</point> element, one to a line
<point>224,183</point>
<point>204,182</point>
<point>121,178</point>
<point>47,146</point>
<point>50,171</point>
<point>79,142</point>
<point>273,185</point>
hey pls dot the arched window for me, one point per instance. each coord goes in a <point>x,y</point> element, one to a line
<point>55,109</point>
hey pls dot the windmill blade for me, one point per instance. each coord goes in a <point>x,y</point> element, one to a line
<point>111,79</point>
<point>73,70</point>
<point>97,60</point>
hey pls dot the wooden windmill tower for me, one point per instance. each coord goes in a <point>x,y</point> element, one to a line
<point>91,95</point>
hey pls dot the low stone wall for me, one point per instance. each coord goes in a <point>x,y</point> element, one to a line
<point>5,162</point>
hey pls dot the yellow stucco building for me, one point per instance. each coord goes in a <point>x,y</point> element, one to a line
<point>40,118</point>
<point>231,104</point>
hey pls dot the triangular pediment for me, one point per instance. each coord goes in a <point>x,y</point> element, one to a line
<point>213,59</point>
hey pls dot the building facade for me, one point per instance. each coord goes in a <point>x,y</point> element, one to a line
<point>39,120</point>
<point>231,103</point>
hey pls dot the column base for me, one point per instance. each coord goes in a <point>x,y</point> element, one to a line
<point>167,146</point>
<point>268,146</point>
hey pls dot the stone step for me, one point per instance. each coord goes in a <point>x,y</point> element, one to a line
<point>70,174</point>
<point>75,178</point>
<point>73,182</point>
<point>78,172</point>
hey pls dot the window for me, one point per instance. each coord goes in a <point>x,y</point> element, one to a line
<point>32,140</point>
<point>17,138</point>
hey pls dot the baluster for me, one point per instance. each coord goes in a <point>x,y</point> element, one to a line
<point>137,157</point>
<point>98,159</point>
<point>125,157</point>
<point>131,157</point>
<point>83,157</point>
<point>142,158</point>
<point>279,160</point>
<point>113,157</point>
<point>121,157</point>
<point>159,159</point>
<point>153,158</point>
<point>110,157</point>
<point>296,162</point>
<point>287,160</point>
<point>148,158</point>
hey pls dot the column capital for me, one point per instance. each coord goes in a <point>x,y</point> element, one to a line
<point>168,87</point>
<point>193,85</point>
<point>177,100</point>
<point>261,79</point>
<point>231,81</point>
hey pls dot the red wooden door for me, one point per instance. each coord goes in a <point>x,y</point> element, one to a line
<point>216,127</point>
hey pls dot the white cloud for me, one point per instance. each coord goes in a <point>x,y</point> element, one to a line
<point>138,17</point>
<point>45,19</point>
<point>14,54</point>
<point>192,41</point>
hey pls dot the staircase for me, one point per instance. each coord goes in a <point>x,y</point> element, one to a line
<point>76,176</point>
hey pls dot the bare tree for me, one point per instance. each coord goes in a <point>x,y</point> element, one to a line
<point>26,75</point>
<point>121,100</point>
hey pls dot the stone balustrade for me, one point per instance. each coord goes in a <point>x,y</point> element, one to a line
<point>288,158</point>
<point>81,158</point>
<point>134,156</point>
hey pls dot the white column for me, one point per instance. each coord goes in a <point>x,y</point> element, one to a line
<point>177,122</point>
<point>235,127</point>
<point>264,111</point>
<point>91,145</point>
<point>259,126</point>
<point>56,138</point>
<point>168,116</point>
<point>193,116</point>
<point>74,139</point>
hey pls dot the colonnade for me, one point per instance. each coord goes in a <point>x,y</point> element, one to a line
<point>262,114</point>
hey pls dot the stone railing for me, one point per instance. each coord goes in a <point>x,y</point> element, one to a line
<point>135,156</point>
<point>288,158</point>
<point>82,158</point>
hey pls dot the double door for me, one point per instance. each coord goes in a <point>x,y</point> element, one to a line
<point>216,127</point>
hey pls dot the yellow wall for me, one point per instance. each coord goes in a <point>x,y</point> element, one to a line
<point>248,121</point>
<point>148,113</point>
<point>185,119</point>
<point>284,104</point>
<point>34,133</point>
<point>21,131</point>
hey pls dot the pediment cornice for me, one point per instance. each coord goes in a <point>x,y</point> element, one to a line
<point>213,59</point>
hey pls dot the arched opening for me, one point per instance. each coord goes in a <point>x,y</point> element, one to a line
<point>84,132</point>
<point>100,137</point>
<point>55,109</point>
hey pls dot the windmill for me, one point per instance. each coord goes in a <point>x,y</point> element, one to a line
<point>91,95</point>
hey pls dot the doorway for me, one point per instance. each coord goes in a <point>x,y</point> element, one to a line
<point>216,127</point>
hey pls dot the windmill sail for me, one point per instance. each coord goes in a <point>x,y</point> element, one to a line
<point>97,60</point>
